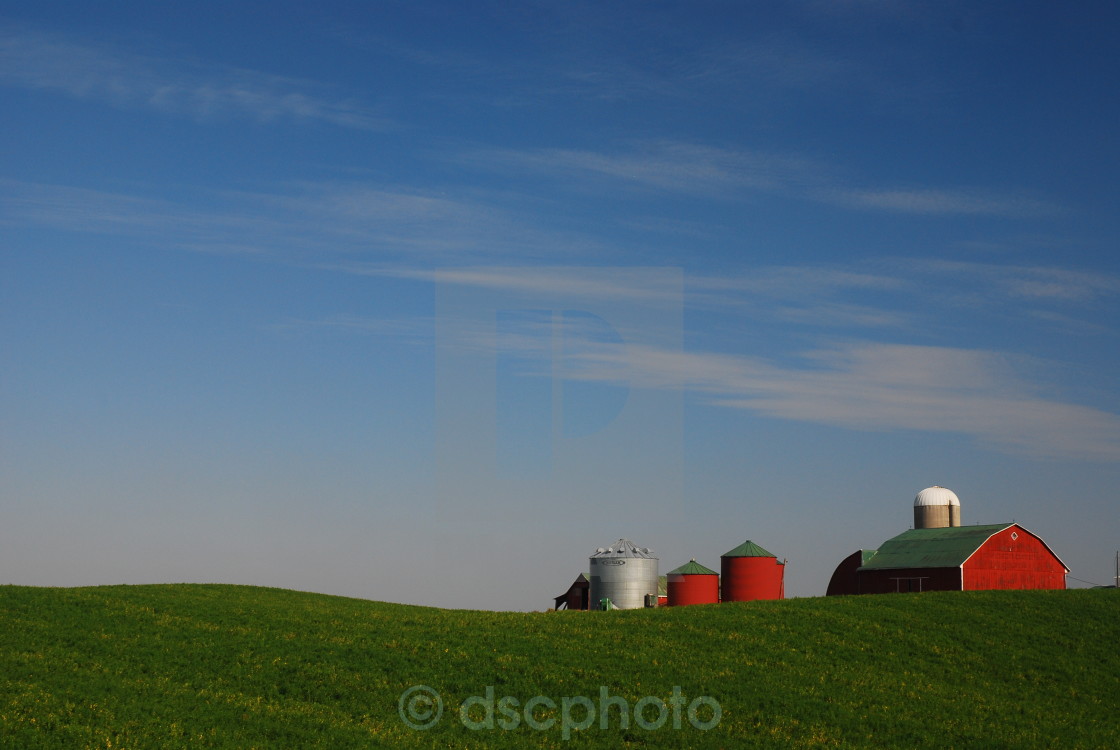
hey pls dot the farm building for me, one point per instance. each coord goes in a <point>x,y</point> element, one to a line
<point>940,555</point>
<point>625,576</point>
<point>577,595</point>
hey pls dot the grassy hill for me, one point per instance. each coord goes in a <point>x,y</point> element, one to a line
<point>239,667</point>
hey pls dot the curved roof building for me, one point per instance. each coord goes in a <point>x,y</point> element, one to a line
<point>939,554</point>
<point>967,558</point>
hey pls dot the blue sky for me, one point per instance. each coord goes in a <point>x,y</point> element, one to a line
<point>422,303</point>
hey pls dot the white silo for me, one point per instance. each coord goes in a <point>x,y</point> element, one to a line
<point>936,508</point>
<point>624,573</point>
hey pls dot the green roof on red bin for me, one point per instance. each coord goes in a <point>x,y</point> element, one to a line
<point>748,549</point>
<point>692,568</point>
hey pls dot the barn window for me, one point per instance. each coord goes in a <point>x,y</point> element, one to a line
<point>1014,535</point>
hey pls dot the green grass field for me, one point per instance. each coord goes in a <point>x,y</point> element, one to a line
<point>178,666</point>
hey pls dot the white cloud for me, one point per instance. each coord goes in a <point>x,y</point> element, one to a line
<point>35,60</point>
<point>943,202</point>
<point>881,387</point>
<point>1029,283</point>
<point>98,211</point>
<point>900,294</point>
<point>418,328</point>
<point>862,386</point>
<point>826,296</point>
<point>295,222</point>
<point>856,385</point>
<point>797,280</point>
<point>728,174</point>
<point>633,285</point>
<point>662,165</point>
<point>833,315</point>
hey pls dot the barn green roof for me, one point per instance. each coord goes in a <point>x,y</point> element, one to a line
<point>748,549</point>
<point>931,548</point>
<point>692,568</point>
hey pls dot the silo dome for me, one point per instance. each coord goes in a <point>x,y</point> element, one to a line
<point>936,508</point>
<point>937,495</point>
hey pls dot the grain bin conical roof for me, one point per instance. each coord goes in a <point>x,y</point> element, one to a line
<point>748,549</point>
<point>624,548</point>
<point>692,568</point>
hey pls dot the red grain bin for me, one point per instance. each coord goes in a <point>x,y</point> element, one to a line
<point>749,572</point>
<point>692,583</point>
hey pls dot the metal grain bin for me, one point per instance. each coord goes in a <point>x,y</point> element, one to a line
<point>624,573</point>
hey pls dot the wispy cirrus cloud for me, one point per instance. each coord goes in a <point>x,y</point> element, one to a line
<point>946,202</point>
<point>308,221</point>
<point>392,231</point>
<point>731,173</point>
<point>874,386</point>
<point>415,328</point>
<point>800,296</point>
<point>934,389</point>
<point>89,211</point>
<point>911,293</point>
<point>806,279</point>
<point>664,165</point>
<point>629,284</point>
<point>994,397</point>
<point>1029,283</point>
<point>986,395</point>
<point>41,61</point>
<point>899,294</point>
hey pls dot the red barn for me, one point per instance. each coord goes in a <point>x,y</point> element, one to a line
<point>959,558</point>
<point>577,596</point>
<point>845,579</point>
